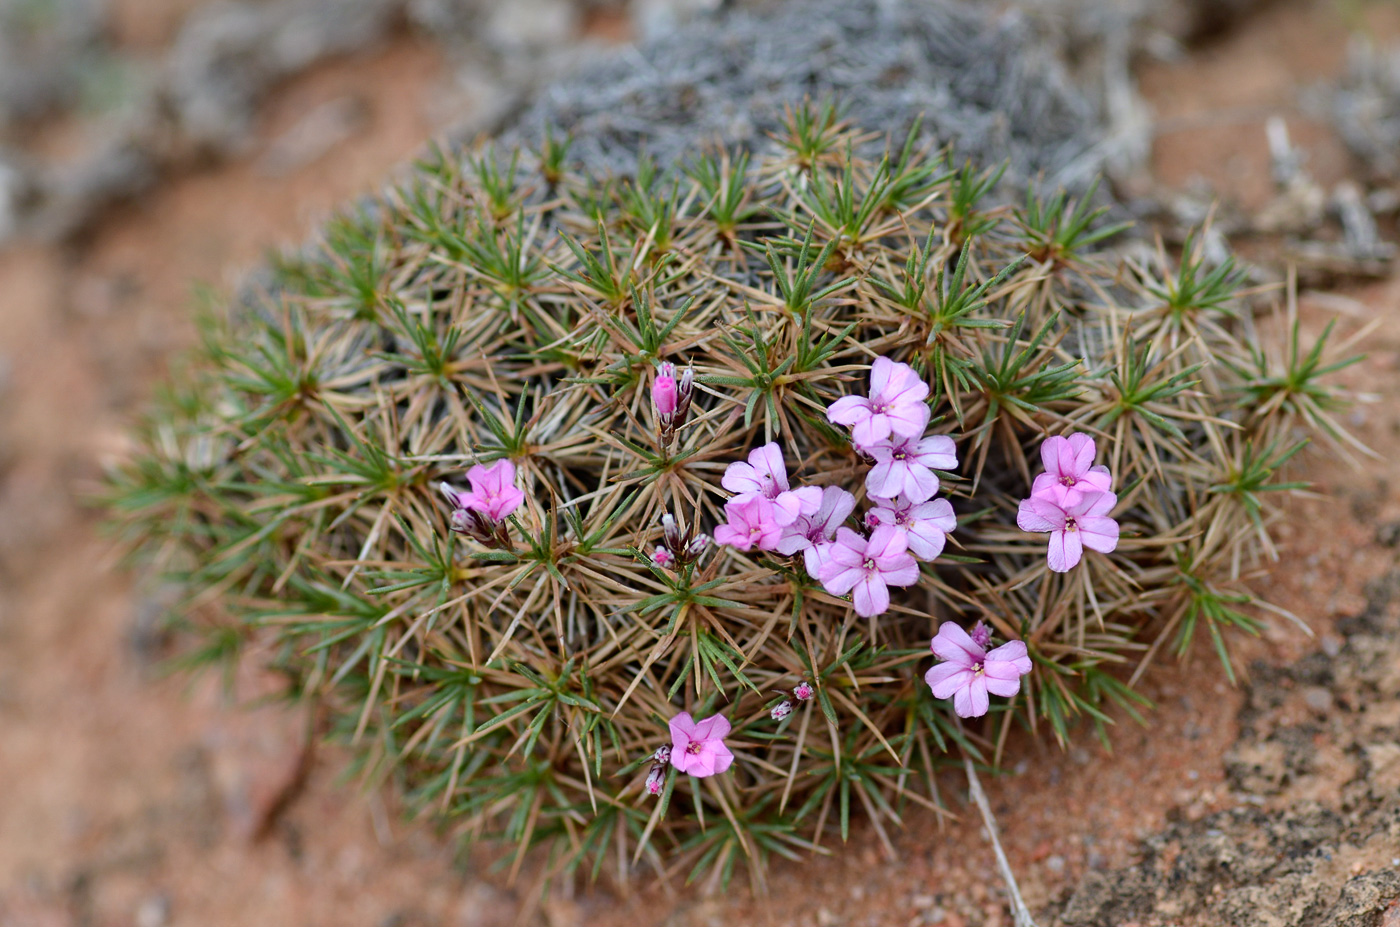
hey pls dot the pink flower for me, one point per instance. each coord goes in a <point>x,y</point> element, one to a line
<point>803,691</point>
<point>781,710</point>
<point>1069,464</point>
<point>869,567</point>
<point>895,405</point>
<point>493,491</point>
<point>697,747</point>
<point>753,522</point>
<point>663,557</point>
<point>902,466</point>
<point>812,533</point>
<point>765,475</point>
<point>981,634</point>
<point>664,393</point>
<point>926,524</point>
<point>1075,520</point>
<point>969,672</point>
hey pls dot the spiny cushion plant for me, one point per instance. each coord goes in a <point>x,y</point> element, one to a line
<point>522,673</point>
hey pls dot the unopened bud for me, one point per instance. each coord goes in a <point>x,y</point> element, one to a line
<point>872,520</point>
<point>451,494</point>
<point>803,691</point>
<point>664,391</point>
<point>981,635</point>
<point>662,756</point>
<point>672,534</point>
<point>685,391</point>
<point>663,558</point>
<point>656,780</point>
<point>697,546</point>
<point>781,710</point>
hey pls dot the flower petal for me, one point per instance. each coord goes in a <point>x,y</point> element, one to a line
<point>848,410</point>
<point>1099,533</point>
<point>715,727</point>
<point>838,579</point>
<point>1064,551</point>
<point>871,597</point>
<point>953,643</point>
<point>946,678</point>
<point>1010,657</point>
<point>1039,514</point>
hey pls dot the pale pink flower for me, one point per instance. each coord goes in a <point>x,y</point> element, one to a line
<point>765,474</point>
<point>1069,464</point>
<point>663,557</point>
<point>781,710</point>
<point>895,405</point>
<point>493,491</point>
<point>869,567</point>
<point>926,524</point>
<point>812,533</point>
<point>697,747</point>
<point>969,672</point>
<point>803,691</point>
<point>753,522</point>
<point>904,466</point>
<point>664,393</point>
<point>1075,520</point>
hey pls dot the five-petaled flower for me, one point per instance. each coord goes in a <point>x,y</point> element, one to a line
<point>1075,520</point>
<point>926,525</point>
<point>869,567</point>
<point>969,672</point>
<point>812,533</point>
<point>895,405</point>
<point>493,493</point>
<point>1069,465</point>
<point>697,747</point>
<point>904,466</point>
<point>765,474</point>
<point>754,521</point>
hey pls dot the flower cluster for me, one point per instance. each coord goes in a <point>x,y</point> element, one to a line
<point>480,514</point>
<point>906,523</point>
<point>1072,501</point>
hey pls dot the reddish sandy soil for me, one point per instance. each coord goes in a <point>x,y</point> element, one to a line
<point>133,799</point>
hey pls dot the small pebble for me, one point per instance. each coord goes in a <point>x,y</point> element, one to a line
<point>1318,699</point>
<point>1055,864</point>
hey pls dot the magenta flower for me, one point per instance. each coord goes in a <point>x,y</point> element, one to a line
<point>765,475</point>
<point>664,393</point>
<point>1069,464</point>
<point>812,533</point>
<point>697,747</point>
<point>895,405</point>
<point>753,522</point>
<point>663,557</point>
<point>902,466</point>
<point>803,691</point>
<point>969,672</point>
<point>493,491</point>
<point>1075,520</point>
<point>926,525</point>
<point>869,567</point>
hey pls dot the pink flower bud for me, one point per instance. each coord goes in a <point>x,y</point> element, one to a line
<point>663,558</point>
<point>656,780</point>
<point>662,755</point>
<point>981,635</point>
<point>781,710</point>
<point>803,691</point>
<point>672,533</point>
<point>664,392</point>
<point>697,546</point>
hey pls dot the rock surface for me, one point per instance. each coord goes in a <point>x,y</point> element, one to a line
<point>1315,841</point>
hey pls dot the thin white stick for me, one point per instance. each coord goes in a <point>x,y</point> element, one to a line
<point>1019,911</point>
